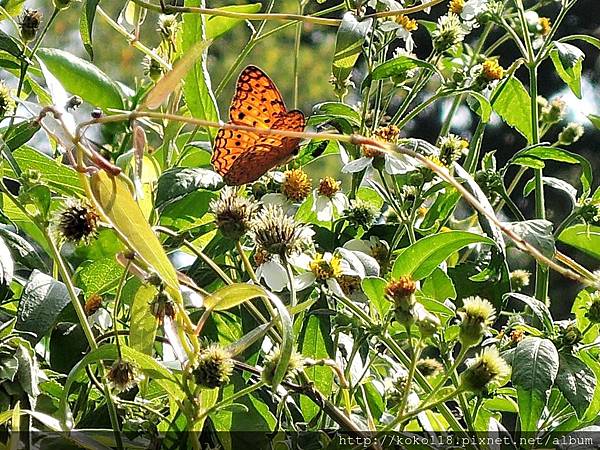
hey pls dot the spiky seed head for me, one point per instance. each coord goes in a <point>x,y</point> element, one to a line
<point>486,369</point>
<point>77,221</point>
<point>233,213</point>
<point>476,316</point>
<point>213,367</point>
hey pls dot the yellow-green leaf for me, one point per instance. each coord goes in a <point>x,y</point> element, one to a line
<point>233,295</point>
<point>113,198</point>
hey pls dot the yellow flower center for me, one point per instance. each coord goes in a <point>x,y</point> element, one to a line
<point>329,187</point>
<point>492,70</point>
<point>401,287</point>
<point>323,269</point>
<point>387,134</point>
<point>296,185</point>
<point>456,6</point>
<point>545,25</point>
<point>407,23</point>
<point>371,152</point>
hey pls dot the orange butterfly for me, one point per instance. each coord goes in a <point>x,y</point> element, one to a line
<point>244,156</point>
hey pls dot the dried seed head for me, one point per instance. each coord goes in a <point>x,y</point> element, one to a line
<point>77,221</point>
<point>570,134</point>
<point>234,214</point>
<point>162,307</point>
<point>29,23</point>
<point>278,234</point>
<point>122,375</point>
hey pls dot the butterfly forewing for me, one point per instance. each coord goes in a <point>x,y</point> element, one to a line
<point>257,101</point>
<point>244,156</point>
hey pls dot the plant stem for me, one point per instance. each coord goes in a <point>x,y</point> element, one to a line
<point>118,296</point>
<point>246,262</point>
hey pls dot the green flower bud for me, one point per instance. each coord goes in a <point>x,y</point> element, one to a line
<point>519,279</point>
<point>7,104</point>
<point>593,312</point>
<point>476,316</point>
<point>213,368</point>
<point>429,367</point>
<point>295,365</point>
<point>487,368</point>
<point>570,134</point>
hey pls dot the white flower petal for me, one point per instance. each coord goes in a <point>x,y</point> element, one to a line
<point>300,260</point>
<point>398,165</point>
<point>304,280</point>
<point>358,245</point>
<point>340,202</point>
<point>357,165</point>
<point>325,210</point>
<point>276,199</point>
<point>274,275</point>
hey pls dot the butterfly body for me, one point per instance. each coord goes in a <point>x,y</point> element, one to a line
<point>244,156</point>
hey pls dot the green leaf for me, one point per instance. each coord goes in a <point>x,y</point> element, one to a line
<point>86,24</point>
<point>217,25</point>
<point>587,356</point>
<point>12,7</point>
<point>348,45</point>
<point>176,183</point>
<point>534,157</point>
<point>197,88</point>
<point>576,381</point>
<point>568,62</point>
<point>485,108</point>
<point>59,177</point>
<point>513,105</point>
<point>10,45</point>
<point>538,308</point>
<point>582,37</point>
<point>22,251</point>
<point>233,295</point>
<point>439,286</point>
<point>143,324</point>
<point>583,237</point>
<point>397,67</point>
<point>316,343</point>
<point>147,365</point>
<point>579,309</point>
<point>250,429</point>
<point>82,78</point>
<point>374,289</point>
<point>21,133</point>
<point>7,265</point>
<point>42,301</point>
<point>99,276</point>
<point>421,258</point>
<point>595,120</point>
<point>537,233</point>
<point>534,369</point>
<point>337,110</point>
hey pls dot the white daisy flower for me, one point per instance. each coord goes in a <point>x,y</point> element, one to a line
<point>329,201</point>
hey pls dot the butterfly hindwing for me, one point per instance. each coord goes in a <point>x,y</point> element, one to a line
<point>229,144</point>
